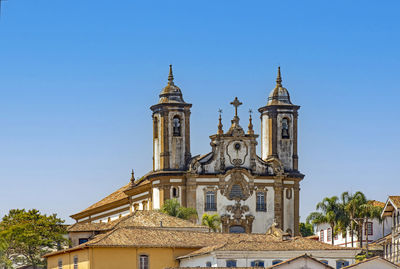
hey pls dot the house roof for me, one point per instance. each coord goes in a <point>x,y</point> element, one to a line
<point>395,200</point>
<point>118,195</point>
<point>391,203</point>
<point>299,257</point>
<point>128,236</point>
<point>141,218</point>
<point>263,242</point>
<point>371,259</point>
<point>377,203</point>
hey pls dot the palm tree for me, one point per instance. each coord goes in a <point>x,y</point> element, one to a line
<point>330,214</point>
<point>212,221</point>
<point>368,212</point>
<point>173,208</point>
<point>352,203</point>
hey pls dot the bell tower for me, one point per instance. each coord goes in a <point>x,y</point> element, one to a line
<point>171,129</point>
<point>279,127</point>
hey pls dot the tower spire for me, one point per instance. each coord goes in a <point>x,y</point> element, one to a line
<point>170,76</point>
<point>220,131</point>
<point>279,78</point>
<point>132,177</point>
<point>250,131</point>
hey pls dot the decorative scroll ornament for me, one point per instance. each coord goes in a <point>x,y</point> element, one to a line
<point>236,188</point>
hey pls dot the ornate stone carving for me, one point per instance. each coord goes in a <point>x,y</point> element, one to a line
<point>237,217</point>
<point>277,166</point>
<point>237,152</point>
<point>231,188</point>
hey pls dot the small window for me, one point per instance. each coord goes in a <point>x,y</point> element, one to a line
<point>285,128</point>
<point>208,264</point>
<point>289,193</point>
<point>75,262</point>
<point>230,263</point>
<point>276,262</point>
<point>60,264</point>
<point>237,229</point>
<point>328,235</point>
<point>341,264</point>
<point>324,261</point>
<point>210,204</point>
<point>155,127</point>
<point>175,192</point>
<point>83,240</point>
<point>321,235</point>
<point>143,262</point>
<point>176,124</point>
<point>257,264</point>
<point>261,205</point>
<point>369,228</point>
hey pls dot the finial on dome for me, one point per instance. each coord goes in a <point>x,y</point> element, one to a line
<point>170,76</point>
<point>220,131</point>
<point>250,130</point>
<point>132,177</point>
<point>279,78</point>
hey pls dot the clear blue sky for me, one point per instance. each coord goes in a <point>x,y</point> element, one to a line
<point>77,79</point>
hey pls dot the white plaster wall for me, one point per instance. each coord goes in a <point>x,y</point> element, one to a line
<point>244,258</point>
<point>375,264</point>
<point>199,261</point>
<point>156,198</point>
<point>262,221</point>
<point>264,137</point>
<point>285,146</point>
<point>288,211</point>
<point>230,153</point>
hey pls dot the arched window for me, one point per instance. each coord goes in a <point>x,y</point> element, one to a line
<point>176,125</point>
<point>289,193</point>
<point>236,192</point>
<point>208,264</point>
<point>261,205</point>
<point>237,229</point>
<point>155,127</point>
<point>210,204</point>
<point>285,128</point>
<point>143,262</point>
<point>257,264</point>
<point>276,262</point>
<point>175,192</point>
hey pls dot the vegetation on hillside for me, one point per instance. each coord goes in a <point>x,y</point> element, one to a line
<point>25,236</point>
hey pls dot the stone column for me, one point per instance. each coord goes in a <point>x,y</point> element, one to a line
<point>191,192</point>
<point>273,134</point>
<point>144,204</point>
<point>296,209</point>
<point>295,157</point>
<point>187,136</point>
<point>167,192</point>
<point>278,203</point>
<point>183,195</point>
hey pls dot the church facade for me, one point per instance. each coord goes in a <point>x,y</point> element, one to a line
<point>248,191</point>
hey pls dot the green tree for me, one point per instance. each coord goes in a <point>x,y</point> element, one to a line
<point>5,262</point>
<point>330,213</point>
<point>213,222</point>
<point>306,229</point>
<point>173,208</point>
<point>352,204</point>
<point>368,212</point>
<point>28,235</point>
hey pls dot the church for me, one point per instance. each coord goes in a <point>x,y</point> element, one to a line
<point>249,192</point>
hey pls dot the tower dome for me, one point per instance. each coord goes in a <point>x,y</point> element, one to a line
<point>279,95</point>
<point>171,93</point>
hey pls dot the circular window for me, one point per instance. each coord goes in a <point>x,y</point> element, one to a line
<point>237,146</point>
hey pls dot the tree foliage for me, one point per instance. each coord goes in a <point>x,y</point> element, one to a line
<point>213,222</point>
<point>306,229</point>
<point>173,208</point>
<point>25,236</point>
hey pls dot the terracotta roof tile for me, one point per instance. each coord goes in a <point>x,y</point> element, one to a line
<point>395,200</point>
<point>368,260</point>
<point>143,218</point>
<point>377,203</point>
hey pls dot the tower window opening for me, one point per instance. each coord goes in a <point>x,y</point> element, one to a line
<point>175,192</point>
<point>285,128</point>
<point>176,124</point>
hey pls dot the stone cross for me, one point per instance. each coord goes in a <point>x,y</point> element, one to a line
<point>236,103</point>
